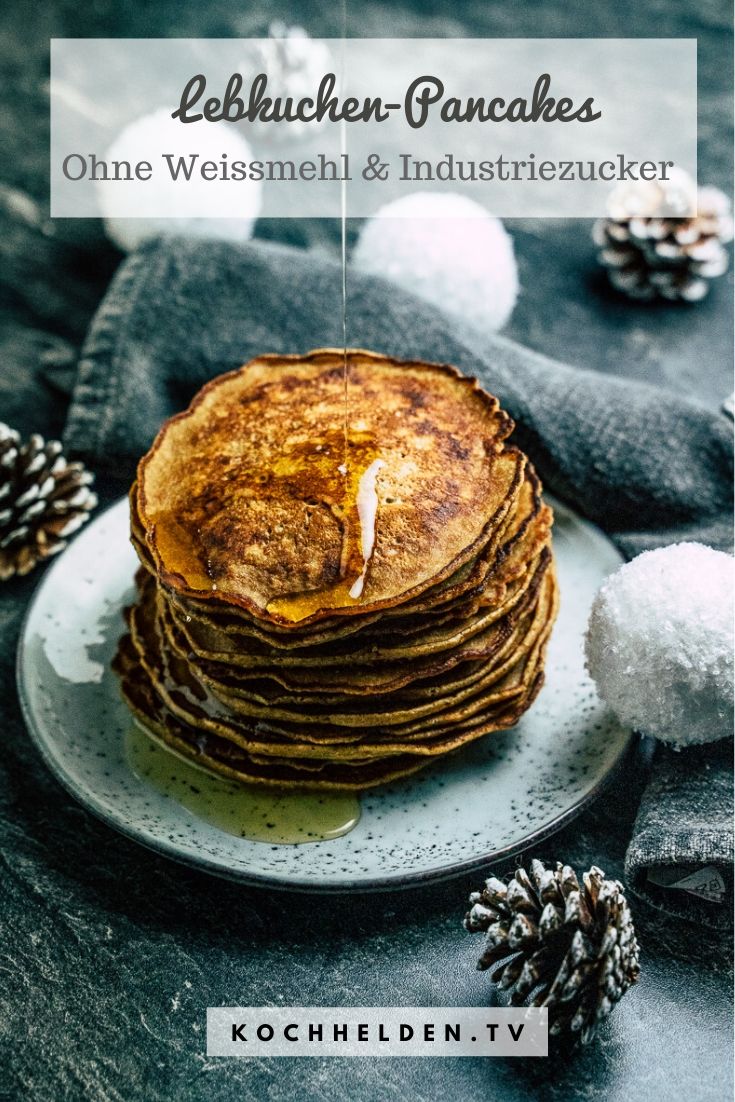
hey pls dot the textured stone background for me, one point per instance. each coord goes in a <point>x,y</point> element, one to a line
<point>109,955</point>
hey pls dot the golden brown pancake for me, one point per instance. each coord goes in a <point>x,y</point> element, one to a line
<point>243,501</point>
<point>168,670</point>
<point>520,508</point>
<point>268,743</point>
<point>327,611</point>
<point>209,630</point>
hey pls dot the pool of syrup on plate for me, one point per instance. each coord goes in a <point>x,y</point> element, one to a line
<point>255,812</point>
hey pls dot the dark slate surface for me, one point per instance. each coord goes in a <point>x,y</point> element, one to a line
<point>109,955</point>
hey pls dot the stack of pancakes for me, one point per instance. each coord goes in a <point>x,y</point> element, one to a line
<point>338,584</point>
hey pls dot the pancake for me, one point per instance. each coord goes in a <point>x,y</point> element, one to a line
<point>331,605</point>
<point>514,474</point>
<point>167,669</point>
<point>243,500</point>
<point>227,759</point>
<point>268,692</point>
<point>520,538</point>
<point>239,653</point>
<point>273,742</point>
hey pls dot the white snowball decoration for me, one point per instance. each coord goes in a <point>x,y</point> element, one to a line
<point>660,645</point>
<point>446,249</point>
<point>146,139</point>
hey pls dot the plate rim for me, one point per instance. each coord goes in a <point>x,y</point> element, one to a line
<point>398,881</point>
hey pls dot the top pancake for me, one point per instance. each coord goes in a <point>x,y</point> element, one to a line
<point>242,502</point>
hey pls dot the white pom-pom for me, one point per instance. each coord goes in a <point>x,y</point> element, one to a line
<point>146,139</point>
<point>448,250</point>
<point>659,644</point>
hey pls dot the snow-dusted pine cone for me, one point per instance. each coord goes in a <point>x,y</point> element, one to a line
<point>552,943</point>
<point>661,255</point>
<point>43,499</point>
<point>295,65</point>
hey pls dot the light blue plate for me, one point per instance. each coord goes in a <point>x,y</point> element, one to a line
<point>481,805</point>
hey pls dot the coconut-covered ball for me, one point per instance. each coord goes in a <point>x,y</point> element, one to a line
<point>446,249</point>
<point>147,139</point>
<point>659,644</point>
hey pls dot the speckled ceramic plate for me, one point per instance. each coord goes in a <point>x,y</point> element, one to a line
<point>481,805</point>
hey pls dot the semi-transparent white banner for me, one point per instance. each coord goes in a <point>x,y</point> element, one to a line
<point>258,1031</point>
<point>209,128</point>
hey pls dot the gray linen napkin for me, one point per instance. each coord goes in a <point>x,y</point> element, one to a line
<point>681,853</point>
<point>649,467</point>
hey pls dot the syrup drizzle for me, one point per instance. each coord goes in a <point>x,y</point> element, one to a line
<point>343,228</point>
<point>351,496</point>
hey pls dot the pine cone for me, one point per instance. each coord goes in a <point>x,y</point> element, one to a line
<point>661,255</point>
<point>551,943</point>
<point>43,499</point>
<point>294,64</point>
